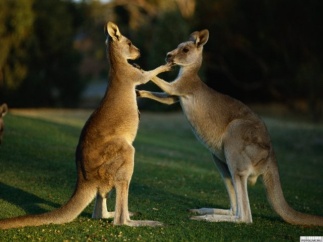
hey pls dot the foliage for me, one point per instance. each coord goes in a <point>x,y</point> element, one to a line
<point>49,58</point>
<point>16,18</point>
<point>258,50</point>
<point>173,173</point>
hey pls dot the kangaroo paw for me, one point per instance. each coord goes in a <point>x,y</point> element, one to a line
<point>216,218</point>
<point>108,215</point>
<point>138,223</point>
<point>203,211</point>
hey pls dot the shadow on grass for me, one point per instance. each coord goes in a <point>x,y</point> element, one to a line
<point>175,203</point>
<point>30,203</point>
<point>178,205</point>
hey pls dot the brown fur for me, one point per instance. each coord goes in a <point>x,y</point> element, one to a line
<point>105,155</point>
<point>237,138</point>
<point>3,112</point>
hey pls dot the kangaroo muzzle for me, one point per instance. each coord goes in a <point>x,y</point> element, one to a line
<point>169,57</point>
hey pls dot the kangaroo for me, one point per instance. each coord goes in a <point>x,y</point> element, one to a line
<point>237,138</point>
<point>105,155</point>
<point>3,112</point>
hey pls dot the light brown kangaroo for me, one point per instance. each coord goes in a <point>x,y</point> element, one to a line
<point>105,155</point>
<point>3,112</point>
<point>237,138</point>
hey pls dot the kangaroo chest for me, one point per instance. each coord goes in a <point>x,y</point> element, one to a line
<point>203,124</point>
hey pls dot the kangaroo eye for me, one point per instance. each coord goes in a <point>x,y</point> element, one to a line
<point>129,44</point>
<point>185,50</point>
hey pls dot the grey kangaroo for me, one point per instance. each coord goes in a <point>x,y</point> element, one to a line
<point>236,137</point>
<point>105,155</point>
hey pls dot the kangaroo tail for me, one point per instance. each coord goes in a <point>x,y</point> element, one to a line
<point>277,200</point>
<point>82,196</point>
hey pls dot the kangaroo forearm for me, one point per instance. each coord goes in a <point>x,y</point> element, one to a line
<point>150,74</point>
<point>165,86</point>
<point>161,97</point>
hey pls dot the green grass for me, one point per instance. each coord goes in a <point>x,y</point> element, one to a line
<point>173,173</point>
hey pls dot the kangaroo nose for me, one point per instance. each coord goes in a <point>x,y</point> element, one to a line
<point>169,57</point>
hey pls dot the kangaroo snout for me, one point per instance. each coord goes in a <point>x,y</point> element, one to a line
<point>169,57</point>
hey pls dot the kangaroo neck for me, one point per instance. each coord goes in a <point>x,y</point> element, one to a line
<point>188,73</point>
<point>117,64</point>
<point>118,83</point>
<point>190,70</point>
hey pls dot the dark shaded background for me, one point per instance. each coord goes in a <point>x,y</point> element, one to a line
<point>259,51</point>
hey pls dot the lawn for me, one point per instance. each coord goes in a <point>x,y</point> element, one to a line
<point>173,173</point>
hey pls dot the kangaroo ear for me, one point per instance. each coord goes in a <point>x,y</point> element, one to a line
<point>113,31</point>
<point>200,37</point>
<point>3,110</point>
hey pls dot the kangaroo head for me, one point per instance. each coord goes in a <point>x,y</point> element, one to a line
<point>3,112</point>
<point>189,52</point>
<point>119,45</point>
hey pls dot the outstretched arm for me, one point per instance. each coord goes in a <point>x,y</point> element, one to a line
<point>167,87</point>
<point>161,97</point>
<point>148,75</point>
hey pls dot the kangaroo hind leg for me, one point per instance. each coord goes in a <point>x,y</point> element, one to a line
<point>100,208</point>
<point>240,155</point>
<point>242,211</point>
<point>242,214</point>
<point>122,182</point>
<point>226,176</point>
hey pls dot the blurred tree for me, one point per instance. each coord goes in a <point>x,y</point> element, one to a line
<point>258,48</point>
<point>52,62</point>
<point>16,18</point>
<point>296,27</point>
<point>156,41</point>
<point>186,7</point>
